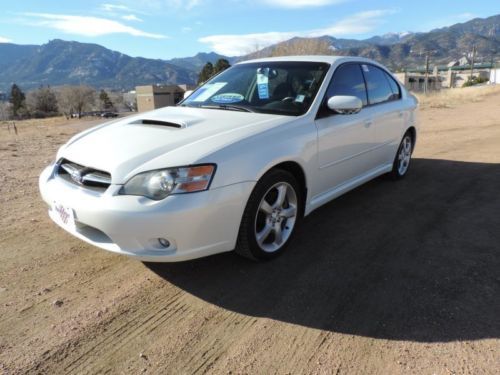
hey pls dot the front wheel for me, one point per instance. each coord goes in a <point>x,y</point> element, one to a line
<point>403,157</point>
<point>271,216</point>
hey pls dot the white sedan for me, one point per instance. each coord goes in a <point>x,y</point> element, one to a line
<point>237,164</point>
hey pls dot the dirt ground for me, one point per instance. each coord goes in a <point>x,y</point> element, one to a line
<point>392,278</point>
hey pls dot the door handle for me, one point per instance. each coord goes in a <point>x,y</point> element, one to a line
<point>368,123</point>
<point>400,114</point>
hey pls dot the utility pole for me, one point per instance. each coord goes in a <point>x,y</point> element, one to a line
<point>473,55</point>
<point>426,72</point>
<point>428,54</point>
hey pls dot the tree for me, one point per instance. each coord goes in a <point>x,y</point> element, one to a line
<point>206,73</point>
<point>75,99</point>
<point>302,46</point>
<point>209,70</point>
<point>106,103</point>
<point>220,66</point>
<point>42,102</point>
<point>17,99</point>
<point>5,111</point>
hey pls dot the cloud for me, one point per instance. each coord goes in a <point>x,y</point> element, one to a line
<point>301,3</point>
<point>131,17</point>
<point>358,23</point>
<point>88,26</point>
<point>465,16</point>
<point>5,40</point>
<point>186,29</point>
<point>448,20</point>
<point>234,45</point>
<point>114,7</point>
<point>165,5</point>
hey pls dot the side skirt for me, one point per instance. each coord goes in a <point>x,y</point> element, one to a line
<point>320,199</point>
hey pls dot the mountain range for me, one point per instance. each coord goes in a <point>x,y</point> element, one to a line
<point>67,62</point>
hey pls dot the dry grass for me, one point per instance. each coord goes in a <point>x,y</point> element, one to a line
<point>39,123</point>
<point>449,98</point>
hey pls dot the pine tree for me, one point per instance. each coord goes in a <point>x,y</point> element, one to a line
<point>17,99</point>
<point>106,102</point>
<point>221,65</point>
<point>206,73</point>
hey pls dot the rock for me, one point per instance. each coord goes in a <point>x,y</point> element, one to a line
<point>143,356</point>
<point>57,303</point>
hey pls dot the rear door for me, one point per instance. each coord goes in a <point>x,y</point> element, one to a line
<point>384,99</point>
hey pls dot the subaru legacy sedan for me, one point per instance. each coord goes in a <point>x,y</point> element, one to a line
<point>237,164</point>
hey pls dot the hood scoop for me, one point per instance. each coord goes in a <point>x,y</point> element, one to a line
<point>159,123</point>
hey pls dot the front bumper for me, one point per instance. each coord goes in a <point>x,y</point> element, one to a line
<point>196,224</point>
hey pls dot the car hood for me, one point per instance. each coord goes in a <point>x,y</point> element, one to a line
<point>184,136</point>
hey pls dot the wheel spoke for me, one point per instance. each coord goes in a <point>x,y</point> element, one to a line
<point>407,146</point>
<point>276,219</point>
<point>289,212</point>
<point>266,207</point>
<point>278,234</point>
<point>264,233</point>
<point>281,196</point>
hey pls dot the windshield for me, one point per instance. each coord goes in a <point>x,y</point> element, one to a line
<point>285,88</point>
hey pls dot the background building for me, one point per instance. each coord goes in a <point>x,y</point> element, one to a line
<point>156,96</point>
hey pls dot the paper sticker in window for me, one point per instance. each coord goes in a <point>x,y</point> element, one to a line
<point>263,83</point>
<point>206,91</point>
<point>227,98</point>
<point>300,98</point>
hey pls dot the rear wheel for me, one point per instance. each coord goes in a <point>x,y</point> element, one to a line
<point>271,216</point>
<point>403,157</point>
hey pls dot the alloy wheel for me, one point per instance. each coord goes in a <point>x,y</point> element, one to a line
<point>404,155</point>
<point>276,217</point>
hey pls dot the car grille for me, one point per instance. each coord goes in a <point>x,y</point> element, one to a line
<point>77,174</point>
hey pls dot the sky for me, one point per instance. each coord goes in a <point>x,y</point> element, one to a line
<point>174,28</point>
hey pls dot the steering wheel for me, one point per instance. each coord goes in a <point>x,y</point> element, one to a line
<point>288,99</point>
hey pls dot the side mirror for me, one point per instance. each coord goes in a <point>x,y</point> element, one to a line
<point>345,105</point>
<point>187,93</point>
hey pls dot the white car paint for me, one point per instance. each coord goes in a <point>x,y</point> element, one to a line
<point>336,154</point>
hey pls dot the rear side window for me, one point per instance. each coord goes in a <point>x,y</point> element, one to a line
<point>396,93</point>
<point>377,83</point>
<point>348,80</point>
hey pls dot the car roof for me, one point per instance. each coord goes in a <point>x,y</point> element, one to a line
<point>312,58</point>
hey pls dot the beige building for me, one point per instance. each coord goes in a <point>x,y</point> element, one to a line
<point>156,96</point>
<point>447,76</point>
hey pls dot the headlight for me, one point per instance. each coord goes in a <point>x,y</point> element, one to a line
<point>161,183</point>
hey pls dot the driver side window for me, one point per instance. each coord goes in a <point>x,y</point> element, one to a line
<point>348,80</point>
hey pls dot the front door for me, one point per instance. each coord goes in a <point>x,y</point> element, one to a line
<point>344,140</point>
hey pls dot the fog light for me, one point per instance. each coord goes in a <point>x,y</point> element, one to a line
<point>164,242</point>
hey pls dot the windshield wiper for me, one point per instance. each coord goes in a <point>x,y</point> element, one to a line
<point>228,107</point>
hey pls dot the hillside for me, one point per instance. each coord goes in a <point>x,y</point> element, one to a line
<point>61,62</point>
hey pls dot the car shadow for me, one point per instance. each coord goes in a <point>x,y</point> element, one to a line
<point>417,260</point>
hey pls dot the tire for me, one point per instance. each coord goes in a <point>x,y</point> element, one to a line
<point>274,207</point>
<point>402,160</point>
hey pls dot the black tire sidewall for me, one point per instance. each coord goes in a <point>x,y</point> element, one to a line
<point>265,183</point>
<point>395,166</point>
